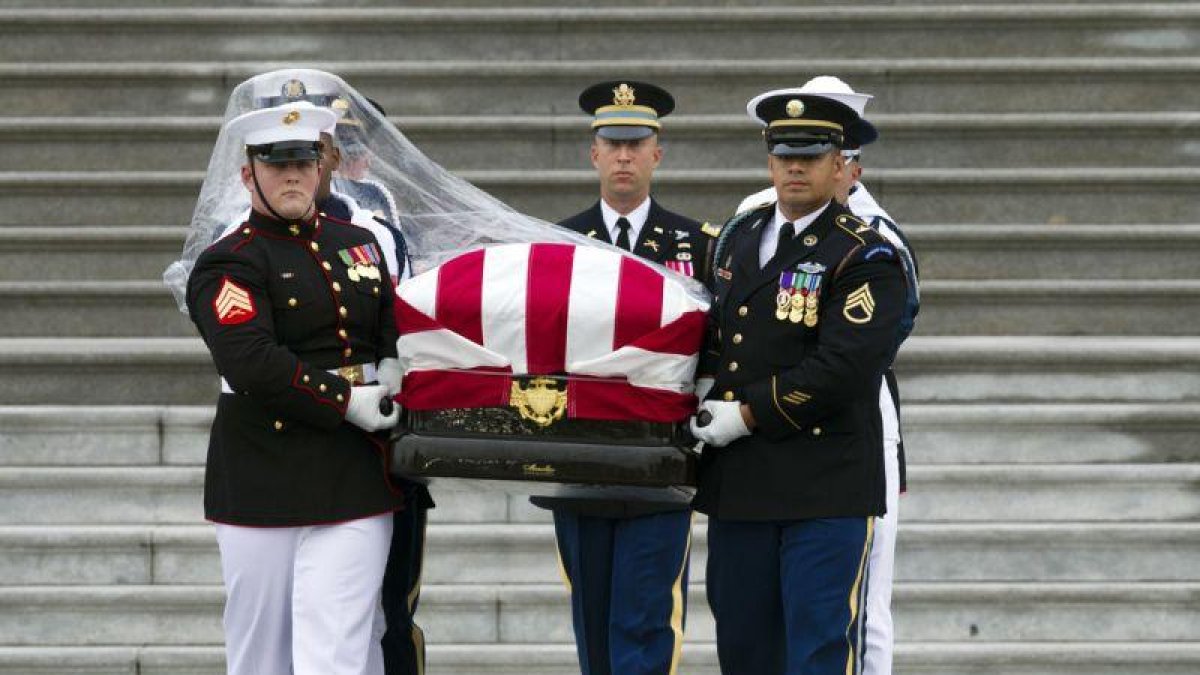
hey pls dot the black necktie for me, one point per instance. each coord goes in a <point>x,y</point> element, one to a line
<point>623,233</point>
<point>787,232</point>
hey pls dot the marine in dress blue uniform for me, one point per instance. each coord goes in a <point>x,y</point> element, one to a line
<point>807,304</point>
<point>296,310</point>
<point>626,563</point>
<point>367,205</point>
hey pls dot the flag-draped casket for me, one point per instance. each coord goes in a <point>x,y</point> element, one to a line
<point>553,363</point>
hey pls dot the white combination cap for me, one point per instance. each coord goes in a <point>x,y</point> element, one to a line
<point>826,86</point>
<point>291,122</point>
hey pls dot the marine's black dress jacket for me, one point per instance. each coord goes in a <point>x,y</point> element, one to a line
<point>278,309</point>
<point>812,383</point>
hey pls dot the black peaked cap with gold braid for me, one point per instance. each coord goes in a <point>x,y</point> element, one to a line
<point>803,125</point>
<point>626,109</point>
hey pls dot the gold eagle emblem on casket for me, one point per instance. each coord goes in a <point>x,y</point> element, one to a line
<point>540,401</point>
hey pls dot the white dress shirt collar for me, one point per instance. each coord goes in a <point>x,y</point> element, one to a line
<point>770,235</point>
<point>636,218</point>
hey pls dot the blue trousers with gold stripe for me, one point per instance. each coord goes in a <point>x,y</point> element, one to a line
<point>788,596</point>
<point>404,642</point>
<point>628,583</point>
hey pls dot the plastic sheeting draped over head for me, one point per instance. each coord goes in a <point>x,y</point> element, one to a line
<point>440,215</point>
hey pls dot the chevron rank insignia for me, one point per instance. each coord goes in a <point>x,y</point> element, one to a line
<point>860,305</point>
<point>233,304</point>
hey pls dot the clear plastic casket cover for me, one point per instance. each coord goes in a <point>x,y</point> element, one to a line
<point>440,215</point>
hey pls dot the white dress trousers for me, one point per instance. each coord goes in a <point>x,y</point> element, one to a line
<point>877,659</point>
<point>304,600</point>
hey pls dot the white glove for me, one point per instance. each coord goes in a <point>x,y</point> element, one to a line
<point>389,375</point>
<point>726,426</point>
<point>363,408</point>
<point>703,386</point>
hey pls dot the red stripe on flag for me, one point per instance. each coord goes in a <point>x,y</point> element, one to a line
<point>682,336</point>
<point>460,296</point>
<point>547,302</point>
<point>439,389</point>
<point>411,320</point>
<point>587,398</point>
<point>639,302</point>
<point>594,399</point>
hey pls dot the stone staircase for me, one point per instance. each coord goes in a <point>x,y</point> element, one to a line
<point>1042,158</point>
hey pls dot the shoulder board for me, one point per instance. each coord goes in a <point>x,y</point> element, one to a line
<point>855,227</point>
<point>711,230</point>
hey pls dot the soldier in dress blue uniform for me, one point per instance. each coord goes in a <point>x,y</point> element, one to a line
<point>403,640</point>
<point>877,658</point>
<point>807,305</point>
<point>626,563</point>
<point>297,313</point>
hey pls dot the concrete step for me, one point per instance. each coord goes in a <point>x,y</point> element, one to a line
<point>1048,369</point>
<point>1061,251</point>
<point>942,493</point>
<point>960,251</point>
<point>305,34</point>
<point>997,307</point>
<point>984,433</point>
<point>539,613</point>
<point>524,553</point>
<point>988,433</point>
<point>104,435</point>
<point>543,86</point>
<point>88,252</point>
<point>914,658</point>
<point>1013,369</point>
<point>1092,196</point>
<point>912,141</point>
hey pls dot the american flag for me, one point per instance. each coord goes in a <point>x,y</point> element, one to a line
<point>627,331</point>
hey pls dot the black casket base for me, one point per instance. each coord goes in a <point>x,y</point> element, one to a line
<point>496,449</point>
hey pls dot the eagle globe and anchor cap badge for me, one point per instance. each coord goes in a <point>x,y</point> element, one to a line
<point>540,402</point>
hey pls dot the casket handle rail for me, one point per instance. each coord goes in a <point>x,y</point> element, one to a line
<point>540,402</point>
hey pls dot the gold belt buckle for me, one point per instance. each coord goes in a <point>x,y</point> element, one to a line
<point>354,374</point>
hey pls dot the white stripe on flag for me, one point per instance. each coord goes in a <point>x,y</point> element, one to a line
<point>443,350</point>
<point>505,275</point>
<point>643,368</point>
<point>420,292</point>
<point>591,318</point>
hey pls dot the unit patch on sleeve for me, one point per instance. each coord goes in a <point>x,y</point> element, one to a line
<point>233,304</point>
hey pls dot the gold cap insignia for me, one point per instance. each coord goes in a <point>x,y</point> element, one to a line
<point>860,305</point>
<point>623,95</point>
<point>795,108</point>
<point>292,117</point>
<point>340,104</point>
<point>540,402</point>
<point>293,89</point>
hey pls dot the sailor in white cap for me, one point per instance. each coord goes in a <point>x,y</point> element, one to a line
<point>296,311</point>
<point>879,637</point>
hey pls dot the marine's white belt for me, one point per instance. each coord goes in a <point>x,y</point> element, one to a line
<point>357,374</point>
